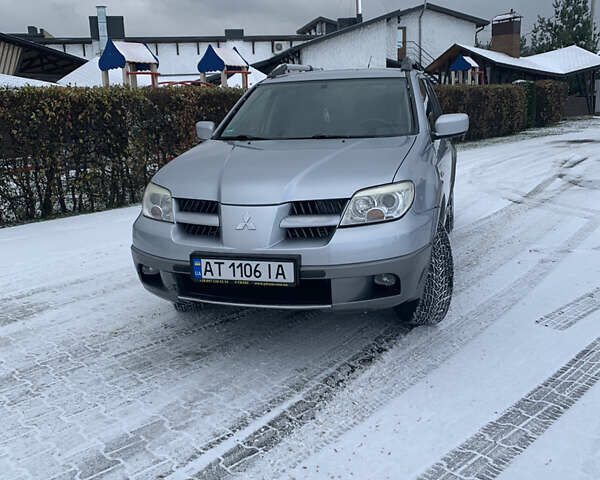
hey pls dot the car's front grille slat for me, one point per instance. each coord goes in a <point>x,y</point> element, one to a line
<point>315,208</point>
<point>207,208</point>
<point>200,230</point>
<point>198,206</point>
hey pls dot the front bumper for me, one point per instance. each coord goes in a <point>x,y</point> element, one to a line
<point>327,287</point>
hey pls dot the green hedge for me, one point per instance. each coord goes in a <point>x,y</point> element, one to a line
<point>531,92</point>
<point>551,97</point>
<point>494,110</point>
<point>74,150</point>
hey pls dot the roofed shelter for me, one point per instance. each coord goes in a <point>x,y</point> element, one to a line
<point>133,58</point>
<point>27,59</point>
<point>224,60</point>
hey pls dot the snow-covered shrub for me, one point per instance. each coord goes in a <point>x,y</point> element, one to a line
<point>74,150</point>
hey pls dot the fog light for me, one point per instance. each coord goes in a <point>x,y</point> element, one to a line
<point>385,279</point>
<point>146,270</point>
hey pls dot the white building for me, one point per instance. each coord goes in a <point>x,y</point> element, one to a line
<point>421,33</point>
<point>178,56</point>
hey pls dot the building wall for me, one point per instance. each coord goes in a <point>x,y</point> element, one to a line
<point>378,41</point>
<point>440,32</point>
<point>355,49</point>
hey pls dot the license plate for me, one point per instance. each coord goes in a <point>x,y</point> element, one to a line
<point>217,269</point>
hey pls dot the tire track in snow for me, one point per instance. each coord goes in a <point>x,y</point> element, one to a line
<point>571,313</point>
<point>417,358</point>
<point>272,427</point>
<point>314,383</point>
<point>486,454</point>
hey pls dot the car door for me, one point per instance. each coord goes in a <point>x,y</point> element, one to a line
<point>444,150</point>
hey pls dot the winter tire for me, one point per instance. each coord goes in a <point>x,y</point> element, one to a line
<point>434,303</point>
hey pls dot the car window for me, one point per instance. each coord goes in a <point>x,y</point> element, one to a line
<point>430,103</point>
<point>370,107</point>
<point>437,109</point>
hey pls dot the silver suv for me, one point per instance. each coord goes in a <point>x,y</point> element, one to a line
<point>319,190</point>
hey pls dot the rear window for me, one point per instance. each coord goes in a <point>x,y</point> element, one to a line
<point>354,108</point>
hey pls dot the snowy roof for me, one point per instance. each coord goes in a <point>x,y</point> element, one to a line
<point>216,59</point>
<point>506,16</point>
<point>117,53</point>
<point>13,81</point>
<point>563,61</point>
<point>471,62</point>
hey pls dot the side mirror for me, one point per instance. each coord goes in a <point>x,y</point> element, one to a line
<point>451,125</point>
<point>204,130</point>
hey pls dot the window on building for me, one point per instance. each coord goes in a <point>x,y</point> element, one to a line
<point>401,42</point>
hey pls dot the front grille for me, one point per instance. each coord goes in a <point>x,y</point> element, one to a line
<point>309,233</point>
<point>307,292</point>
<point>319,207</point>
<point>198,206</point>
<point>200,230</point>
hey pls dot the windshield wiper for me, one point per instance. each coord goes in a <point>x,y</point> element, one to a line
<point>242,137</point>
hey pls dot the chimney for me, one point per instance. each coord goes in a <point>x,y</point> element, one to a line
<point>102,28</point>
<point>506,34</point>
<point>31,30</point>
<point>359,16</point>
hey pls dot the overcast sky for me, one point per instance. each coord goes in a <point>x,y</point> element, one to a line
<point>210,17</point>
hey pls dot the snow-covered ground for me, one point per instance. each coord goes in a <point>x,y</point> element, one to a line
<point>99,379</point>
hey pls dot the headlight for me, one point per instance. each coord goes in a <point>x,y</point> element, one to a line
<point>379,204</point>
<point>157,203</point>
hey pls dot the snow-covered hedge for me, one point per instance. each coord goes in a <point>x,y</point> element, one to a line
<point>73,150</point>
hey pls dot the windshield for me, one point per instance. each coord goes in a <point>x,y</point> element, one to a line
<point>355,108</point>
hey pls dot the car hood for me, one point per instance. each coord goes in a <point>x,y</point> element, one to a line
<point>273,172</point>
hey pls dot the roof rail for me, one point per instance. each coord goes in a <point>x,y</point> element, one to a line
<point>284,68</point>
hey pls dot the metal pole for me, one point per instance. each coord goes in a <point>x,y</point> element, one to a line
<point>593,14</point>
<point>421,34</point>
<point>102,27</point>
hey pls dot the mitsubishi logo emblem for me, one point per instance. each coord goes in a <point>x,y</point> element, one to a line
<point>246,223</point>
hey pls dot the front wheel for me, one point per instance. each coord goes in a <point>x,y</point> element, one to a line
<point>434,303</point>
